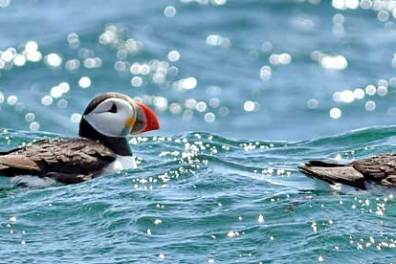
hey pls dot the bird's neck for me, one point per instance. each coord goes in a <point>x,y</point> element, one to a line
<point>119,145</point>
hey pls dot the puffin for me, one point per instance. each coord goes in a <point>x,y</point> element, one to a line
<point>102,146</point>
<point>380,169</point>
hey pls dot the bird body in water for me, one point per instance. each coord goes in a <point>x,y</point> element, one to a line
<point>101,147</point>
<point>379,169</point>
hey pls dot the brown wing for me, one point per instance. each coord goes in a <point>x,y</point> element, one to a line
<point>380,168</point>
<point>334,173</point>
<point>68,160</point>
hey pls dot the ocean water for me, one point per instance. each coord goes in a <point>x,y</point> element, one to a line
<point>245,92</point>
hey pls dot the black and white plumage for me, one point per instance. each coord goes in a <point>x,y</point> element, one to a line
<point>379,169</point>
<point>102,145</point>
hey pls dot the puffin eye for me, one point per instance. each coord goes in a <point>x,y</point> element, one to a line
<point>113,109</point>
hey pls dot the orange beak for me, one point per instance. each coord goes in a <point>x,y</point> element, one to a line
<point>150,121</point>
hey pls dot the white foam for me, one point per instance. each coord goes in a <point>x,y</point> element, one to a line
<point>32,181</point>
<point>121,163</point>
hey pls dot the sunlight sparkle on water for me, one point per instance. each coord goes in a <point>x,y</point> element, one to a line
<point>260,219</point>
<point>358,93</point>
<point>72,64</point>
<point>47,100</point>
<point>56,92</point>
<point>136,81</point>
<point>161,103</point>
<point>201,106</point>
<point>218,2</point>
<point>345,4</point>
<point>53,60</point>
<point>173,55</point>
<point>335,113</point>
<point>19,60</point>
<point>337,62</point>
<point>34,126</point>
<point>382,90</point>
<point>8,55</point>
<point>346,96</point>
<point>370,105</point>
<point>249,106</point>
<point>4,3</point>
<point>265,73</point>
<point>218,41</point>
<point>170,11</point>
<point>75,118</point>
<point>371,90</point>
<point>84,82</point>
<point>12,100</point>
<point>280,59</point>
<point>313,103</point>
<point>73,40</point>
<point>232,234</point>
<point>29,117</point>
<point>210,117</point>
<point>187,83</point>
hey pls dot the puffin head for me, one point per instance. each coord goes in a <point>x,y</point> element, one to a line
<point>110,117</point>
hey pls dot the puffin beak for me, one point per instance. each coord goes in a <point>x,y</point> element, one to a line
<point>145,120</point>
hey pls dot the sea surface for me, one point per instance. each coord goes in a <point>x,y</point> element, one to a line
<point>245,90</point>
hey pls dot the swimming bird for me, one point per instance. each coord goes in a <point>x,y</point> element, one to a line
<point>378,169</point>
<point>101,147</point>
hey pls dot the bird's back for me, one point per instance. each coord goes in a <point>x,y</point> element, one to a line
<point>380,169</point>
<point>60,158</point>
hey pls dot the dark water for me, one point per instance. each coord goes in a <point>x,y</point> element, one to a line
<point>268,81</point>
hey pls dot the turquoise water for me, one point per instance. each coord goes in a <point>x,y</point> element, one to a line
<point>245,92</point>
<point>199,198</point>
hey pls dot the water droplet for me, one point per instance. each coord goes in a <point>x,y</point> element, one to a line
<point>249,106</point>
<point>75,118</point>
<point>337,62</point>
<point>173,56</point>
<point>170,11</point>
<point>19,60</point>
<point>53,60</point>
<point>12,100</point>
<point>265,73</point>
<point>136,81</point>
<point>312,103</point>
<point>260,219</point>
<point>4,3</point>
<point>29,117</point>
<point>187,83</point>
<point>370,105</point>
<point>210,117</point>
<point>335,113</point>
<point>84,82</point>
<point>34,126</point>
<point>47,100</point>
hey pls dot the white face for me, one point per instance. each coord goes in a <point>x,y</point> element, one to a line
<point>112,117</point>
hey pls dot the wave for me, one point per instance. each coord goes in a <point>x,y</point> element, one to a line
<point>165,160</point>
